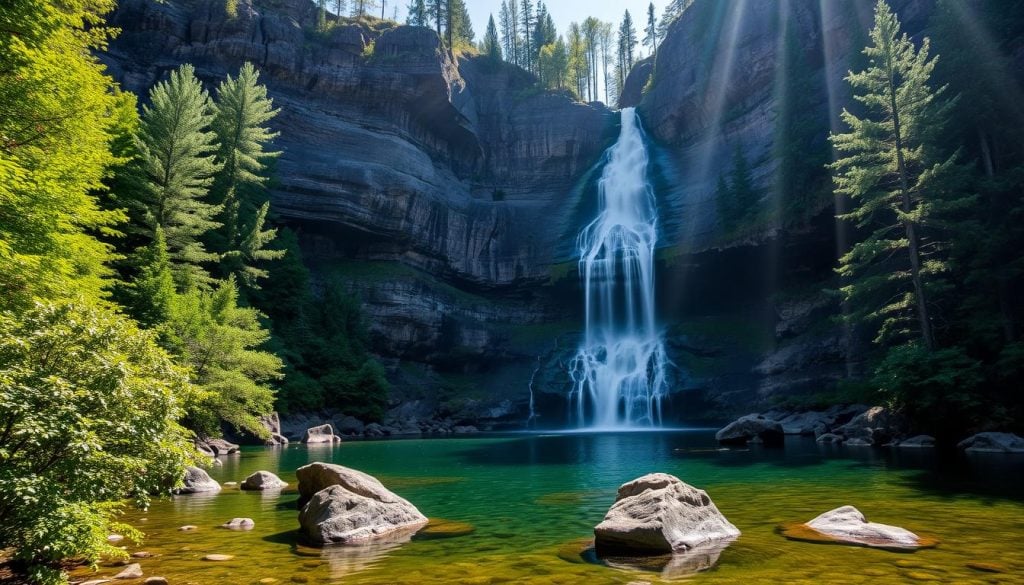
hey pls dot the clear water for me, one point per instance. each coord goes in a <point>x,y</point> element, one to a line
<point>534,499</point>
<point>618,372</point>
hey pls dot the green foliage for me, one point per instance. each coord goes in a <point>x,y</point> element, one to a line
<point>176,164</point>
<point>736,198</point>
<point>491,46</point>
<point>88,417</point>
<point>152,293</point>
<point>221,344</point>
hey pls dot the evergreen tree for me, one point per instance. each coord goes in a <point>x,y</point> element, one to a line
<point>577,63</point>
<point>492,45</point>
<point>606,36</point>
<point>459,25</point>
<point>339,9</point>
<point>891,170</point>
<point>651,31</point>
<point>177,163</point>
<point>152,291</point>
<point>627,43</point>
<point>417,14</point>
<point>526,28</point>
<point>240,122</point>
<point>673,10</point>
<point>321,15</point>
<point>436,10</point>
<point>591,29</point>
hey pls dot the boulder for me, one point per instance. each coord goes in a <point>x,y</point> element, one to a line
<point>993,443</point>
<point>197,481</point>
<point>132,571</point>
<point>747,427</point>
<point>465,430</point>
<point>374,430</point>
<point>920,441</point>
<point>657,514</point>
<point>829,438</point>
<point>216,447</point>
<point>239,524</point>
<point>349,425</point>
<point>858,442</point>
<point>847,525</point>
<point>346,506</point>
<point>320,434</point>
<point>263,480</point>
<point>155,581</point>
<point>806,423</point>
<point>875,426</point>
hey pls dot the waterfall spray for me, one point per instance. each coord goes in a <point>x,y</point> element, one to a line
<point>618,373</point>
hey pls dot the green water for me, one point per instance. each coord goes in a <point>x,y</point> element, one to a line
<point>534,499</point>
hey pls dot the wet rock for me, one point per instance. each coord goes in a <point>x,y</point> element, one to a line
<point>875,426</point>
<point>218,557</point>
<point>346,506</point>
<point>320,434</point>
<point>155,581</point>
<point>848,525</point>
<point>858,442</point>
<point>806,423</point>
<point>986,567</point>
<point>239,524</point>
<point>142,554</point>
<point>132,571</point>
<point>112,538</point>
<point>830,438</point>
<point>216,447</point>
<point>95,582</point>
<point>188,528</point>
<point>374,430</point>
<point>993,443</point>
<point>920,441</point>
<point>196,481</point>
<point>263,480</point>
<point>658,513</point>
<point>349,425</point>
<point>747,427</point>
<point>465,430</point>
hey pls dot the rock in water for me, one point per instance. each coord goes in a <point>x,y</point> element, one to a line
<point>196,481</point>
<point>132,571</point>
<point>848,525</point>
<point>346,506</point>
<point>920,441</point>
<point>263,480</point>
<point>993,443</point>
<point>657,514</point>
<point>239,524</point>
<point>875,426</point>
<point>748,427</point>
<point>319,434</point>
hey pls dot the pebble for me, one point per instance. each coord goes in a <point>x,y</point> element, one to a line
<point>188,527</point>
<point>132,571</point>
<point>142,554</point>
<point>216,557</point>
<point>268,580</point>
<point>987,567</point>
<point>115,538</point>
<point>921,576</point>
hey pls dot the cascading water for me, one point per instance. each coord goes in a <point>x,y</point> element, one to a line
<point>618,373</point>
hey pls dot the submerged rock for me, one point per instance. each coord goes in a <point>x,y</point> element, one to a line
<point>155,581</point>
<point>320,434</point>
<point>218,558</point>
<point>993,443</point>
<point>847,525</point>
<point>920,441</point>
<point>830,438</point>
<point>658,513</point>
<point>263,480</point>
<point>239,524</point>
<point>132,571</point>
<point>748,427</point>
<point>346,506</point>
<point>196,481</point>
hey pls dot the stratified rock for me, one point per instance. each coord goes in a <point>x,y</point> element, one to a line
<point>657,514</point>
<point>993,443</point>
<point>263,480</point>
<point>132,571</point>
<point>920,441</point>
<point>353,507</point>
<point>747,427</point>
<point>319,434</point>
<point>848,526</point>
<point>876,426</point>
<point>239,524</point>
<point>196,481</point>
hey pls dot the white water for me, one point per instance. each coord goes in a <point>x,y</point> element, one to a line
<point>618,372</point>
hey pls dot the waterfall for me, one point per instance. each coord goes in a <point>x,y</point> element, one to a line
<point>618,373</point>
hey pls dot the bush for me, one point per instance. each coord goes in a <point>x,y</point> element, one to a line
<point>88,411</point>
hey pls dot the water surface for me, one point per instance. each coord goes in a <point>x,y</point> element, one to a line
<point>534,500</point>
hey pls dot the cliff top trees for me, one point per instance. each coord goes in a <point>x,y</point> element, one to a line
<point>889,166</point>
<point>491,45</point>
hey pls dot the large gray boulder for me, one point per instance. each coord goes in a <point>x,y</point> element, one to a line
<point>657,514</point>
<point>849,526</point>
<point>749,427</point>
<point>262,480</point>
<point>197,481</point>
<point>346,506</point>
<point>272,422</point>
<point>993,443</point>
<point>812,423</point>
<point>216,447</point>
<point>875,426</point>
<point>320,434</point>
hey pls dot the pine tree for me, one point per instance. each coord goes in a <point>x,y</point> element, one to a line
<point>152,291</point>
<point>339,9</point>
<point>417,14</point>
<point>606,35</point>
<point>673,10</point>
<point>627,43</point>
<point>492,46</point>
<point>526,27</point>
<point>177,163</point>
<point>591,29</point>
<point>242,113</point>
<point>436,10</point>
<point>891,170</point>
<point>459,25</point>
<point>651,32</point>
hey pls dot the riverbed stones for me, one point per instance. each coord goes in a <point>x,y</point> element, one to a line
<point>993,443</point>
<point>320,434</point>
<point>745,428</point>
<point>262,480</point>
<point>657,514</point>
<point>196,481</point>
<point>239,524</point>
<point>188,528</point>
<point>217,558</point>
<point>132,571</point>
<point>847,525</point>
<point>346,506</point>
